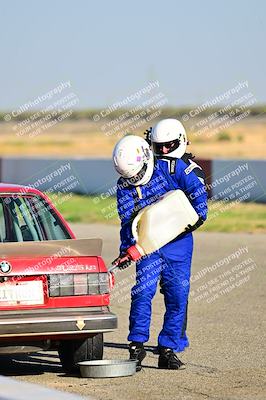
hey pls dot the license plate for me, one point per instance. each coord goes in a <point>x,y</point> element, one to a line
<point>21,293</point>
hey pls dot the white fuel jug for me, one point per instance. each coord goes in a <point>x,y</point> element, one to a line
<point>158,224</point>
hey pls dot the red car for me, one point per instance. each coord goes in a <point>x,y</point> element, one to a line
<point>54,289</point>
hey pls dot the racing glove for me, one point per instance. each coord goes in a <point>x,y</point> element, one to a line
<point>122,261</point>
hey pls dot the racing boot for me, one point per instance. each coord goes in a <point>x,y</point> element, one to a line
<point>168,359</point>
<point>137,352</point>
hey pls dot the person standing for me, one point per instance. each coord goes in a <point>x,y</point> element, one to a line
<point>144,179</point>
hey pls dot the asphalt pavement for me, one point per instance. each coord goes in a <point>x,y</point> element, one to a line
<point>226,328</point>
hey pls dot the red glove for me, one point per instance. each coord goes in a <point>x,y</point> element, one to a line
<point>123,261</point>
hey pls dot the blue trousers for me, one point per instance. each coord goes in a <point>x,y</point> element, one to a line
<point>171,265</point>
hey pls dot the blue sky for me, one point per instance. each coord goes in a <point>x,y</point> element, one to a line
<point>110,49</point>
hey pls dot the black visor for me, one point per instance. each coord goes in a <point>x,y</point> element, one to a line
<point>165,147</point>
<point>139,175</point>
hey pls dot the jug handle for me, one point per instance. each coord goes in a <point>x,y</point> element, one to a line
<point>134,227</point>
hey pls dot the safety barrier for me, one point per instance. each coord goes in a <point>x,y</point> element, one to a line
<point>243,180</point>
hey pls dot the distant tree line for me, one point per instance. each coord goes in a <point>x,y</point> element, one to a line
<point>89,114</point>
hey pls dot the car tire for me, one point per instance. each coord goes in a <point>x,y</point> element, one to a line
<point>74,351</point>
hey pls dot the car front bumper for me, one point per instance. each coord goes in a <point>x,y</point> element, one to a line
<point>56,322</point>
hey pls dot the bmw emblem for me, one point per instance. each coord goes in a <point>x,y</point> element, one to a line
<point>5,267</point>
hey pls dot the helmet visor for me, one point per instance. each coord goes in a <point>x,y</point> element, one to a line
<point>165,147</point>
<point>136,178</point>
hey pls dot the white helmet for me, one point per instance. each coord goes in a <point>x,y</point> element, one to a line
<point>133,159</point>
<point>169,138</point>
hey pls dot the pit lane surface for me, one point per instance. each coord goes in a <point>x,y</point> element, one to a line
<point>226,358</point>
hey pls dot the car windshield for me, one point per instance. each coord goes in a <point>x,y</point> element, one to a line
<point>29,218</point>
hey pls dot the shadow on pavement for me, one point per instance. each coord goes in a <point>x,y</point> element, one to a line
<point>28,364</point>
<point>45,362</point>
<point>151,349</point>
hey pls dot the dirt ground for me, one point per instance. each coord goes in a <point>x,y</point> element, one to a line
<point>245,139</point>
<point>226,357</point>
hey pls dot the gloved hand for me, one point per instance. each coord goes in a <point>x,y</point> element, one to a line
<point>122,261</point>
<point>191,228</point>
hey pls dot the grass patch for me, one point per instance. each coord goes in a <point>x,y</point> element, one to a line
<point>86,209</point>
<point>232,217</point>
<point>222,217</point>
<point>224,137</point>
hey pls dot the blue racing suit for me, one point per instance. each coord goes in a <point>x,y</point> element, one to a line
<point>171,264</point>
